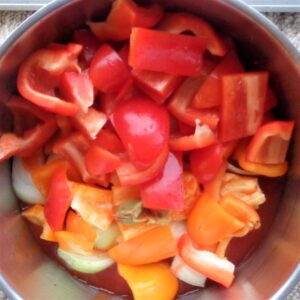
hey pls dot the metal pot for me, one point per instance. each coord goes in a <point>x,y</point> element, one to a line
<point>273,269</point>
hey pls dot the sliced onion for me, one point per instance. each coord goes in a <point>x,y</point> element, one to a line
<point>237,170</point>
<point>186,273</point>
<point>178,229</point>
<point>23,185</point>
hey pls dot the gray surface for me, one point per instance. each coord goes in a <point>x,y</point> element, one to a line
<point>288,23</point>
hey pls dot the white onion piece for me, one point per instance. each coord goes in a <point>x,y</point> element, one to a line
<point>23,185</point>
<point>236,170</point>
<point>186,274</point>
<point>178,229</point>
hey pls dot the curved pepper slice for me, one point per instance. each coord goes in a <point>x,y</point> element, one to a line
<point>152,246</point>
<point>39,77</point>
<point>124,15</point>
<point>154,281</point>
<point>182,22</point>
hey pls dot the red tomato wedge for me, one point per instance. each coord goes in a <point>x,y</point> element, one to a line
<point>206,162</point>
<point>210,92</point>
<point>99,161</point>
<point>205,262</point>
<point>181,99</point>
<point>89,42</point>
<point>159,51</point>
<point>202,137</point>
<point>270,143</point>
<point>77,88</point>
<point>108,71</point>
<point>243,103</point>
<point>124,15</point>
<point>129,175</point>
<point>143,127</point>
<point>90,123</point>
<point>184,22</point>
<point>39,77</point>
<point>58,200</point>
<point>165,191</point>
<point>157,85</point>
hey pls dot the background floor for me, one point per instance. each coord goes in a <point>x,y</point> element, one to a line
<point>289,23</point>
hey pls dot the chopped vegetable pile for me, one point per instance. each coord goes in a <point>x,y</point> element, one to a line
<point>139,145</point>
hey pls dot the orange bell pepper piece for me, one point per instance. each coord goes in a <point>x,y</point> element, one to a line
<point>48,234</point>
<point>268,170</point>
<point>74,243</point>
<point>123,194</point>
<point>154,281</point>
<point>42,175</point>
<point>152,246</point>
<point>131,231</point>
<point>208,222</point>
<point>75,224</point>
<point>35,214</point>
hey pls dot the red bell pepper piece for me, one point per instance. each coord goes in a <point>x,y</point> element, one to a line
<point>243,103</point>
<point>77,88</point>
<point>58,200</point>
<point>271,100</point>
<point>183,22</point>
<point>270,143</point>
<point>170,53</point>
<point>210,92</point>
<point>206,162</point>
<point>205,262</point>
<point>159,86</point>
<point>39,77</point>
<point>129,175</point>
<point>90,123</point>
<point>89,42</point>
<point>109,141</point>
<point>108,71</point>
<point>202,137</point>
<point>179,105</point>
<point>99,161</point>
<point>143,127</point>
<point>165,191</point>
<point>74,148</point>
<point>124,15</point>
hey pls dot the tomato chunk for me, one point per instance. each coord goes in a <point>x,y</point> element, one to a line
<point>165,191</point>
<point>270,143</point>
<point>166,52</point>
<point>243,103</point>
<point>143,127</point>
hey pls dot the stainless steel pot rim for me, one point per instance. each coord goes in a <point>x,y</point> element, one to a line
<point>235,4</point>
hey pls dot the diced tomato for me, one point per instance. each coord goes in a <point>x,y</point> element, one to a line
<point>181,99</point>
<point>108,71</point>
<point>99,161</point>
<point>202,137</point>
<point>142,250</point>
<point>77,88</point>
<point>89,42</point>
<point>108,140</point>
<point>159,86</point>
<point>270,143</point>
<point>39,77</point>
<point>90,123</point>
<point>159,51</point>
<point>183,22</point>
<point>58,199</point>
<point>143,127</point>
<point>129,175</point>
<point>205,163</point>
<point>210,92</point>
<point>165,191</point>
<point>124,15</point>
<point>243,103</point>
<point>206,263</point>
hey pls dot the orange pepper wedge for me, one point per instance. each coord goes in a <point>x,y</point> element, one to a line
<point>130,231</point>
<point>42,175</point>
<point>35,214</point>
<point>75,224</point>
<point>122,194</point>
<point>152,246</point>
<point>149,282</point>
<point>208,222</point>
